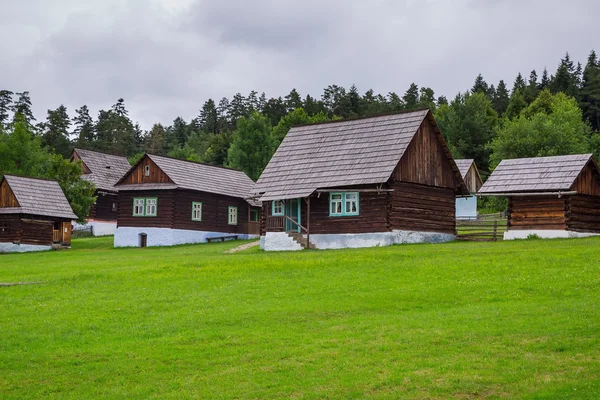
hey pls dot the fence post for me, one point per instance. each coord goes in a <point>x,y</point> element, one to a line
<point>495,229</point>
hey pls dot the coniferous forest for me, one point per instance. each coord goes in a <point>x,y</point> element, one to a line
<point>539,114</point>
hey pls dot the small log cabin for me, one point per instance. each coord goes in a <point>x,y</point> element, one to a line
<point>164,201</point>
<point>103,170</point>
<point>34,215</point>
<point>358,183</point>
<point>466,206</point>
<point>550,197</point>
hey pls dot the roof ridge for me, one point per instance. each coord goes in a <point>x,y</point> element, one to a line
<point>99,152</point>
<point>387,114</point>
<point>30,177</point>
<point>197,162</point>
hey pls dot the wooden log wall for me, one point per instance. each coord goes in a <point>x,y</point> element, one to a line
<point>583,213</point>
<point>422,208</point>
<point>537,213</point>
<point>12,225</point>
<point>588,181</point>
<point>165,209</point>
<point>7,197</point>
<point>36,231</point>
<point>103,208</point>
<point>215,212</point>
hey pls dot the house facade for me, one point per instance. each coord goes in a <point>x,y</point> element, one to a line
<point>34,215</point>
<point>466,206</point>
<point>165,201</point>
<point>103,170</point>
<point>359,183</point>
<point>549,197</point>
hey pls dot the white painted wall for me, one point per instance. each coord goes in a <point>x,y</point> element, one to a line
<point>22,248</point>
<point>130,236</point>
<point>466,207</point>
<point>545,234</point>
<point>279,241</point>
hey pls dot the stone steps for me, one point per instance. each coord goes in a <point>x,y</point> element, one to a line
<point>301,240</point>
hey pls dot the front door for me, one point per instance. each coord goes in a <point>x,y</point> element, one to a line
<point>292,210</point>
<point>57,233</point>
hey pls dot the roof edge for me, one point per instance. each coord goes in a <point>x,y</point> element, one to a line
<point>362,117</point>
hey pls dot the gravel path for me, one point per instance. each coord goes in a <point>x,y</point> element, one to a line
<point>243,247</point>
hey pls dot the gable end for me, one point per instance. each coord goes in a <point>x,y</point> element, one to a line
<point>7,197</point>
<point>145,171</point>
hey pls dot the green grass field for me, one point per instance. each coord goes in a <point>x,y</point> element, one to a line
<point>496,320</point>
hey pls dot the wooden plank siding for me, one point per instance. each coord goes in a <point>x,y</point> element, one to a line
<point>425,161</point>
<point>102,209</point>
<point>164,209</point>
<point>34,230</point>
<point>583,213</point>
<point>472,180</point>
<point>84,168</point>
<point>13,224</point>
<point>542,212</point>
<point>7,197</point>
<point>138,176</point>
<point>588,181</point>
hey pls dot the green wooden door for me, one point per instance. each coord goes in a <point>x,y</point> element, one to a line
<point>292,210</point>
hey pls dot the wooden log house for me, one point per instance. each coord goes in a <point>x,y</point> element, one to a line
<point>34,215</point>
<point>549,197</point>
<point>358,183</point>
<point>466,206</point>
<point>164,201</point>
<point>103,170</point>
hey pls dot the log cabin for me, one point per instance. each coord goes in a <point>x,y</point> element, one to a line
<point>103,170</point>
<point>34,215</point>
<point>165,201</point>
<point>466,206</point>
<point>549,197</point>
<point>357,183</point>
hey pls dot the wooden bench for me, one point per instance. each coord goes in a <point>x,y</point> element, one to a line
<point>221,238</point>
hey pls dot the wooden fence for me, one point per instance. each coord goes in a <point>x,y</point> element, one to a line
<point>486,228</point>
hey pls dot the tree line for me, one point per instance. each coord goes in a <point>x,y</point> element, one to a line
<point>550,114</point>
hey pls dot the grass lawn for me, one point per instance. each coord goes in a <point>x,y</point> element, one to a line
<point>517,319</point>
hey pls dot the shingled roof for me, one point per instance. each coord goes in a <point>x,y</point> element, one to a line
<point>38,197</point>
<point>336,154</point>
<point>538,174</point>
<point>105,169</point>
<point>464,165</point>
<point>197,176</point>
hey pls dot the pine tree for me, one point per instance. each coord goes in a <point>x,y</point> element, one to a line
<point>252,101</point>
<point>516,104</point>
<point>237,109</point>
<point>442,100</point>
<point>293,100</point>
<point>119,108</point>
<point>480,85</point>
<point>223,112</point>
<point>565,79</point>
<point>179,132</point>
<point>157,140</point>
<point>545,81</point>
<point>274,110</point>
<point>394,102</point>
<point>531,91</point>
<point>5,108</point>
<point>411,97</point>
<point>427,98</point>
<point>519,84</point>
<point>590,91</point>
<point>84,128</point>
<point>353,100</point>
<point>56,131</point>
<point>501,99</point>
<point>23,107</point>
<point>209,117</point>
<point>252,145</point>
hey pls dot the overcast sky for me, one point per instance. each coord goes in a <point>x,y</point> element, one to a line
<point>166,57</point>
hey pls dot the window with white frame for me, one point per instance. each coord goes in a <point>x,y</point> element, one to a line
<point>233,214</point>
<point>196,211</point>
<point>344,204</point>
<point>145,207</point>
<point>151,207</point>
<point>138,207</point>
<point>278,207</point>
<point>146,170</point>
<point>335,203</point>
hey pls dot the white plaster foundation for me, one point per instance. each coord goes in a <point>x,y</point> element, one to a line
<point>99,228</point>
<point>126,236</point>
<point>22,248</point>
<point>276,241</point>
<point>545,234</point>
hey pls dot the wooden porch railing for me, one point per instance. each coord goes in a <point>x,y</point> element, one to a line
<point>276,222</point>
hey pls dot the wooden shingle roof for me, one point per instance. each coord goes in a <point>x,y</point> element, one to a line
<point>38,197</point>
<point>335,154</point>
<point>538,174</point>
<point>196,176</point>
<point>105,169</point>
<point>464,165</point>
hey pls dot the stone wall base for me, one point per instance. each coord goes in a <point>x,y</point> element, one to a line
<point>130,237</point>
<point>545,234</point>
<point>22,248</point>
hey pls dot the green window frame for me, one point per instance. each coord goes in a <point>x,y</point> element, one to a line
<point>145,207</point>
<point>139,207</point>
<point>254,216</point>
<point>196,211</point>
<point>344,204</point>
<point>232,215</point>
<point>277,208</point>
